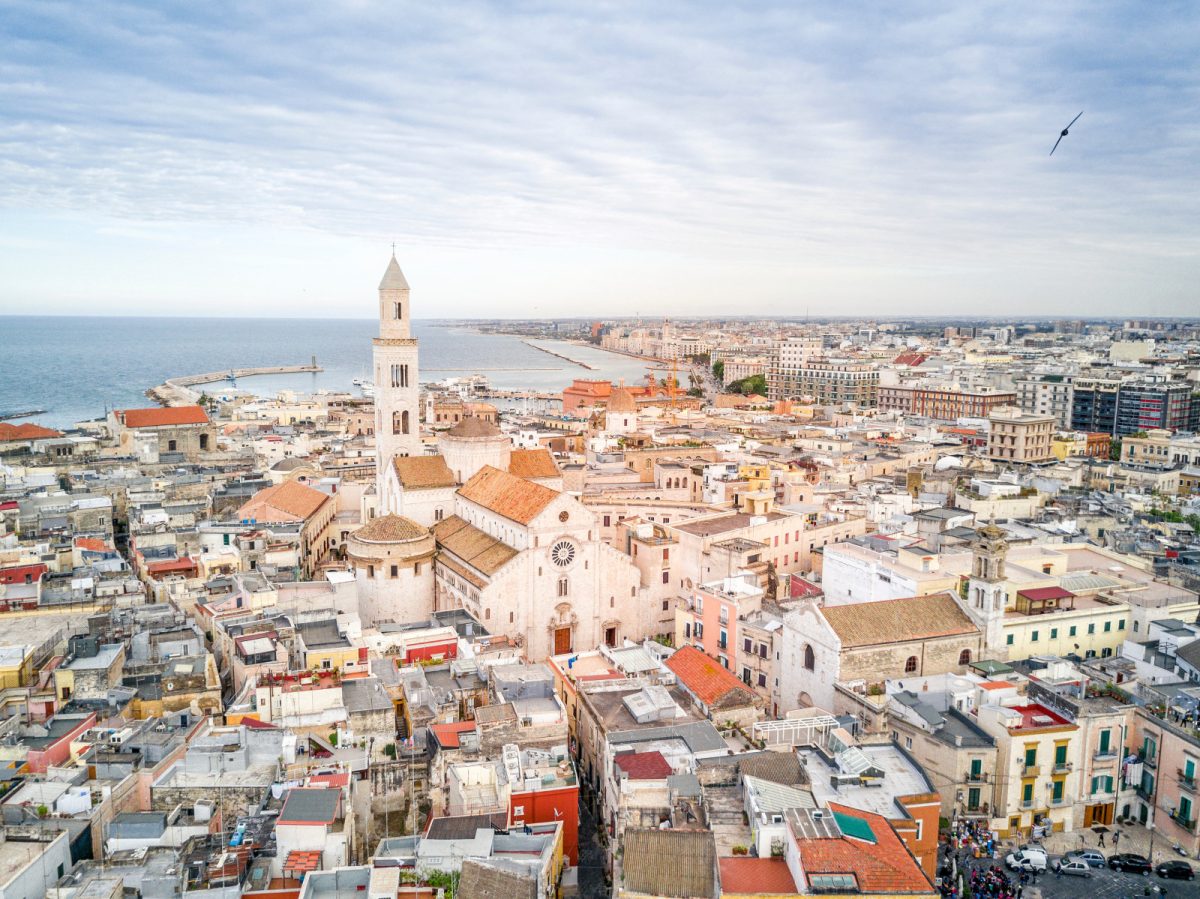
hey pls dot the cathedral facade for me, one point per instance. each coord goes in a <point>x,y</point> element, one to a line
<point>480,525</point>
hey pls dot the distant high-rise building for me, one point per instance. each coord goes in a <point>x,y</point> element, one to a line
<point>1121,407</point>
<point>1047,393</point>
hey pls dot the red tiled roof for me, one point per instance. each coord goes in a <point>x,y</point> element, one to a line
<point>884,866</point>
<point>255,724</point>
<point>533,463</point>
<point>644,765</point>
<point>1040,593</point>
<point>26,431</point>
<point>995,684</point>
<point>289,501</point>
<point>184,564</point>
<point>330,780</point>
<point>300,861</point>
<point>508,495</point>
<point>159,417</point>
<point>447,735</point>
<point>756,876</point>
<point>94,544</point>
<point>707,679</point>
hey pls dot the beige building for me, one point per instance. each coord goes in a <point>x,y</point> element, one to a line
<point>1022,437</point>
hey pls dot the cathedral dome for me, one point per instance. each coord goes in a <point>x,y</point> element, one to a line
<point>389,537</point>
<point>472,426</point>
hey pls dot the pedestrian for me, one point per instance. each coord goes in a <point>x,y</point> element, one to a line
<point>1116,838</point>
<point>1102,840</point>
<point>1082,840</point>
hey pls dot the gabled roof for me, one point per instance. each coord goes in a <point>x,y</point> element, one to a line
<point>25,431</point>
<point>756,876</point>
<point>898,620</point>
<point>289,501</point>
<point>507,495</point>
<point>865,846</point>
<point>423,472</point>
<point>533,464</point>
<point>644,765</point>
<point>678,864</point>
<point>708,680</point>
<point>480,550</point>
<point>159,417</point>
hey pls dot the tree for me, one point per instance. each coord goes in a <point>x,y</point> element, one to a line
<point>746,386</point>
<point>719,370</point>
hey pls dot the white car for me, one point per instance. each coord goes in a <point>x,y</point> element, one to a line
<point>1027,860</point>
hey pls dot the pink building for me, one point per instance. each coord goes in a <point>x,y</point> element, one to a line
<point>55,748</point>
<point>708,618</point>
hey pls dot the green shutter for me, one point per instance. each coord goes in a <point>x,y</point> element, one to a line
<point>977,767</point>
<point>1060,754</point>
<point>1104,738</point>
<point>1189,768</point>
<point>1030,756</point>
<point>1058,789</point>
<point>1027,793</point>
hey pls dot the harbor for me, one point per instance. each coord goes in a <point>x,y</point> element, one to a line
<point>179,391</point>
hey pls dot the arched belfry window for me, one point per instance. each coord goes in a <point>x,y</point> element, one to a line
<point>404,421</point>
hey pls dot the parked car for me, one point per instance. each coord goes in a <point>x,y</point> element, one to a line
<point>1073,866</point>
<point>1093,857</point>
<point>1129,861</point>
<point>1027,860</point>
<point>1175,870</point>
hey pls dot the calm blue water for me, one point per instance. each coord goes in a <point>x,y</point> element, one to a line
<point>74,366</point>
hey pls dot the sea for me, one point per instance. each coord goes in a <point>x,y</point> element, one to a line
<point>78,367</point>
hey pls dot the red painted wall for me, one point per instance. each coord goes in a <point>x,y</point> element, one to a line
<point>541,807</point>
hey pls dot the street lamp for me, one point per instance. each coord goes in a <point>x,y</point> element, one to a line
<point>1150,851</point>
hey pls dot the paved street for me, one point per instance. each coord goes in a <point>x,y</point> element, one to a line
<point>1103,884</point>
<point>592,883</point>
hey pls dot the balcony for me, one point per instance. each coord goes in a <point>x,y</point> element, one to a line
<point>1108,755</point>
<point>1145,793</point>
<point>1188,782</point>
<point>1031,770</point>
<point>1063,767</point>
<point>1188,824</point>
<point>1027,803</point>
<point>1059,802</point>
<point>1150,761</point>
<point>977,777</point>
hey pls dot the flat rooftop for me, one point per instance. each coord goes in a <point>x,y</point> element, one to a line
<point>902,777</point>
<point>723,524</point>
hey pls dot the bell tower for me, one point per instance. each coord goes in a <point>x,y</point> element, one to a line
<point>986,596</point>
<point>397,420</point>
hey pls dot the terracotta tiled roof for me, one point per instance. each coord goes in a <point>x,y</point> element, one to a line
<point>390,529</point>
<point>644,765</point>
<point>708,680</point>
<point>621,401</point>
<point>289,501</point>
<point>158,417</point>
<point>473,426</point>
<point>898,620</point>
<point>93,544</point>
<point>515,498</point>
<point>669,863</point>
<point>533,463</point>
<point>450,735</point>
<point>756,876</point>
<point>423,472</point>
<point>479,550</point>
<point>882,866</point>
<point>26,431</point>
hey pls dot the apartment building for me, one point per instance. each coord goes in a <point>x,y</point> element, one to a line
<point>944,403</point>
<point>1047,394</point>
<point>1021,437</point>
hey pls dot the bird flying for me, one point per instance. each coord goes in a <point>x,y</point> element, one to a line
<point>1064,133</point>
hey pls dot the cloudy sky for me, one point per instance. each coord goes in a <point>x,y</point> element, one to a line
<point>535,159</point>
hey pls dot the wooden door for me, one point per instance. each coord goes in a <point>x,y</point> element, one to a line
<point>562,640</point>
<point>1088,810</point>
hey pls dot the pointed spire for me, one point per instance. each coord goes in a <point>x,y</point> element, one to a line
<point>393,278</point>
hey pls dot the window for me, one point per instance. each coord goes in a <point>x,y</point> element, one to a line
<point>687,630</point>
<point>607,520</point>
<point>487,614</point>
<point>395,422</point>
<point>437,514</point>
<point>762,650</point>
<point>404,421</point>
<point>416,568</point>
<point>203,441</point>
<point>1105,737</point>
<point>666,577</point>
<point>1030,756</point>
<point>747,645</point>
<point>172,445</point>
<point>810,658</point>
<point>1092,628</point>
<point>745,675</point>
<point>1071,632</point>
<point>666,605</point>
<point>908,742</point>
<point>1107,626</point>
<point>562,586</point>
<point>910,665</point>
<point>1121,625</point>
<point>1053,633</point>
<point>1033,637</point>
<point>370,571</point>
<point>1059,783</point>
<point>397,310</point>
<point>1027,794</point>
<point>1009,641</point>
<point>762,679</point>
<point>964,657</point>
<point>395,571</point>
<point>973,798</point>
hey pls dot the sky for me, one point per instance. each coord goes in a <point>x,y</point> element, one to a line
<point>600,159</point>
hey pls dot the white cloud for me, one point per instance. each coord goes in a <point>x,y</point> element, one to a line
<point>868,159</point>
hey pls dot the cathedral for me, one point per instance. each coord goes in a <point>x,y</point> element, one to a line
<point>480,525</point>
